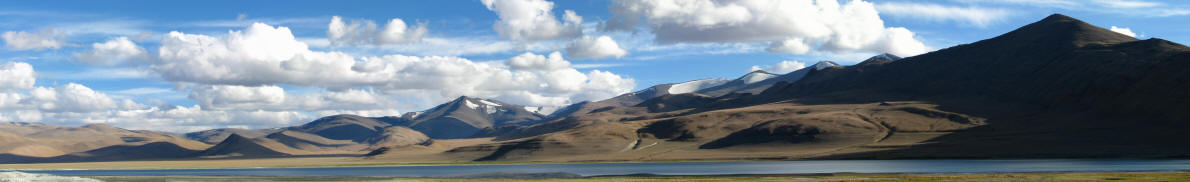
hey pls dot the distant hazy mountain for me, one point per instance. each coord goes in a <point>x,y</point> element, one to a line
<point>31,142</point>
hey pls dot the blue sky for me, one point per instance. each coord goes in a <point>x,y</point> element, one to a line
<point>460,40</point>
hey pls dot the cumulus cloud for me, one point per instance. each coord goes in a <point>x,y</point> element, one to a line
<point>1122,30</point>
<point>274,98</point>
<point>71,97</point>
<point>781,67</point>
<point>236,79</point>
<point>265,55</point>
<point>362,32</point>
<point>791,46</point>
<point>20,40</point>
<point>590,47</point>
<point>259,55</point>
<point>224,96</point>
<point>16,76</point>
<point>533,20</point>
<point>826,25</point>
<point>530,61</point>
<point>114,51</point>
<point>971,15</point>
<point>76,104</point>
<point>178,118</point>
<point>547,79</point>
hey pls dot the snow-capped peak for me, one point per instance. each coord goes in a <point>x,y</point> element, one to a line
<point>695,85</point>
<point>885,56</point>
<point>824,65</point>
<point>756,76</point>
<point>484,105</point>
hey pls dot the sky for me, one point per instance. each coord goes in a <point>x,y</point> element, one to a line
<point>187,66</point>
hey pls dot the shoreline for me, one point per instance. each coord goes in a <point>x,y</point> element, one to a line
<point>101,166</point>
<point>1036,176</point>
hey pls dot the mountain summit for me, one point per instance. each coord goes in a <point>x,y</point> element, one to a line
<point>465,116</point>
<point>1059,77</point>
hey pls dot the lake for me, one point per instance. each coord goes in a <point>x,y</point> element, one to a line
<point>682,168</point>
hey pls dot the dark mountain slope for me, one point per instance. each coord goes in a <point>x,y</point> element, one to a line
<point>236,145</point>
<point>1056,62</point>
<point>214,136</point>
<point>344,127</point>
<point>1055,88</point>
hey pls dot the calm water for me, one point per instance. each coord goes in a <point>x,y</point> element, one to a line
<point>683,168</point>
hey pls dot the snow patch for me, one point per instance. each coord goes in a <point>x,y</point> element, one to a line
<point>824,65</point>
<point>490,109</point>
<point>470,105</point>
<point>691,86</point>
<point>548,110</point>
<point>486,102</point>
<point>756,77</point>
<point>20,176</point>
<point>542,110</point>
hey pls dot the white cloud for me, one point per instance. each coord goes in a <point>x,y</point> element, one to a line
<point>225,96</point>
<point>76,104</point>
<point>602,85</point>
<point>781,67</point>
<point>362,32</point>
<point>590,47</point>
<point>178,118</point>
<point>47,38</point>
<point>115,73</point>
<point>258,55</point>
<point>543,76</point>
<point>972,15</point>
<point>10,100</point>
<point>533,20</point>
<point>530,61</point>
<point>16,76</point>
<point>1122,30</point>
<point>791,46</point>
<point>71,97</point>
<point>829,25</point>
<point>114,51</point>
<point>265,55</point>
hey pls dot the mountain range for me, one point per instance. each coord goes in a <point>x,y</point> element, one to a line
<point>1056,88</point>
